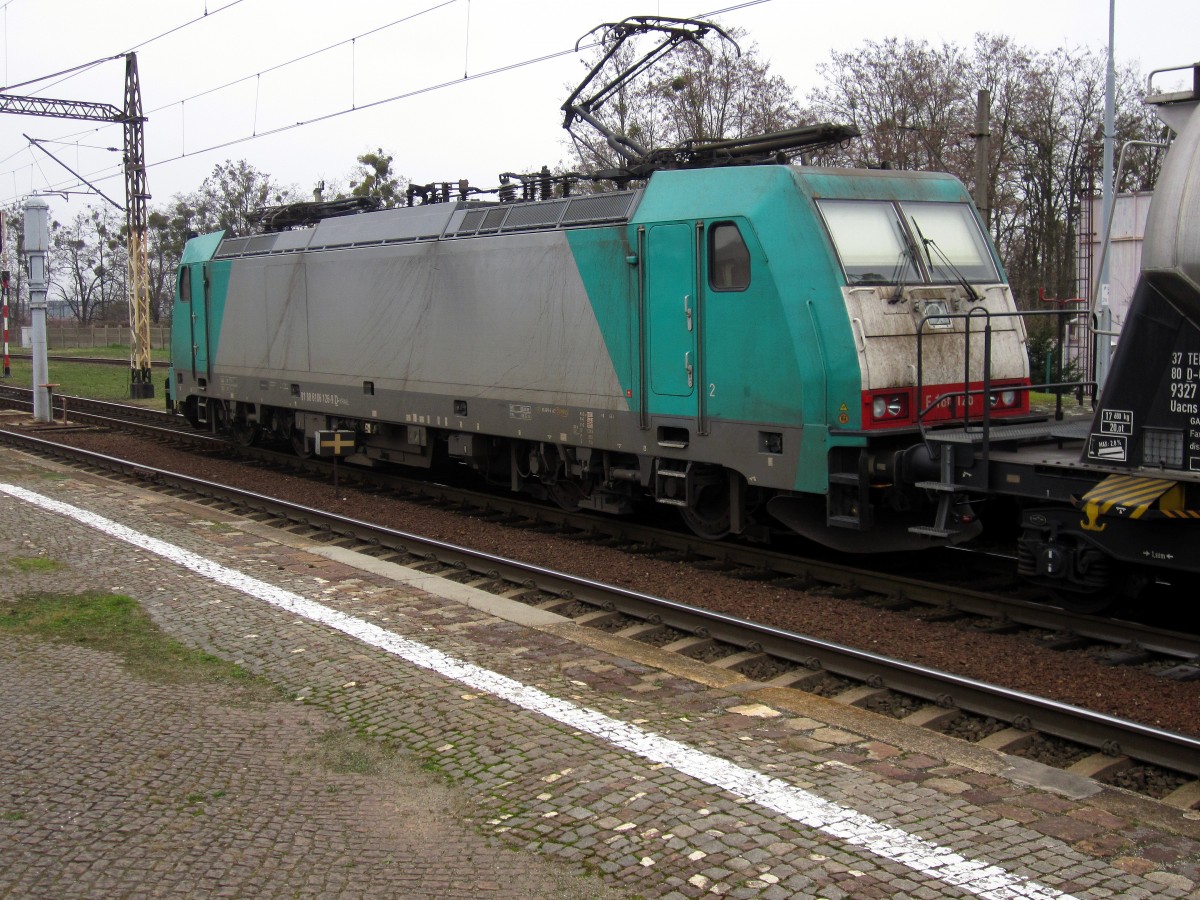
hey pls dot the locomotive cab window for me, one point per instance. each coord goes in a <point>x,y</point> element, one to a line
<point>728,258</point>
<point>952,247</point>
<point>882,242</point>
<point>185,285</point>
<point>870,242</point>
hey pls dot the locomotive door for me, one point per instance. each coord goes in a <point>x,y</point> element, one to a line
<point>193,290</point>
<point>671,318</point>
<point>203,331</point>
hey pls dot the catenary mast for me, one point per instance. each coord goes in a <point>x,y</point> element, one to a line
<point>141,383</point>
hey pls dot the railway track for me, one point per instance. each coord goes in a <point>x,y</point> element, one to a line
<point>1089,743</point>
<point>1003,607</point>
<point>93,360</point>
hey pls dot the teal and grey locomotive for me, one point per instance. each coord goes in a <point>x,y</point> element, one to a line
<point>738,342</point>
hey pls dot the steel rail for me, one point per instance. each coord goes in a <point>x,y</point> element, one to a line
<point>91,360</point>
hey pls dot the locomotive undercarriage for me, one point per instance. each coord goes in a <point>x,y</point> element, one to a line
<point>866,509</point>
<point>712,501</point>
<point>1094,554</point>
<point>880,499</point>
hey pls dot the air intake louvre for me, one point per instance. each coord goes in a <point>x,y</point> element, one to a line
<point>471,221</point>
<point>261,243</point>
<point>599,208</point>
<point>534,215</point>
<point>493,219</point>
<point>232,247</point>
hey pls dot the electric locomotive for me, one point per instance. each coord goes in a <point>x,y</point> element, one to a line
<point>727,341</point>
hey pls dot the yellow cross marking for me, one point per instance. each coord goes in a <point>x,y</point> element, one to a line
<point>335,441</point>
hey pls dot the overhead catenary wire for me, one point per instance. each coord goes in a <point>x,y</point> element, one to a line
<point>257,76</point>
<point>302,57</point>
<point>112,173</point>
<point>71,71</point>
<point>104,174</point>
<point>375,103</point>
<point>169,31</point>
<point>67,74</point>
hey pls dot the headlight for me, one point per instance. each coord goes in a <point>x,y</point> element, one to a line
<point>887,407</point>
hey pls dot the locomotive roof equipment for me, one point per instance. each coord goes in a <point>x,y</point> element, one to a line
<point>776,146</point>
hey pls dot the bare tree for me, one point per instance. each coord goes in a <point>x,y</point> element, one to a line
<point>1060,108</point>
<point>908,100</point>
<point>1001,67</point>
<point>720,94</point>
<point>77,275</point>
<point>915,107</point>
<point>230,195</point>
<point>165,248</point>
<point>14,237</point>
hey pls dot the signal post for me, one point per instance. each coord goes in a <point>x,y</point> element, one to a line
<point>37,244</point>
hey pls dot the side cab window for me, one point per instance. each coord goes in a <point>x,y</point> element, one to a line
<point>185,284</point>
<point>728,258</point>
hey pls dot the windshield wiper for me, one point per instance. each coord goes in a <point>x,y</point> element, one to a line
<point>926,243</point>
<point>906,258</point>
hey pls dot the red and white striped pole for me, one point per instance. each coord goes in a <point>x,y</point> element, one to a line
<point>4,300</point>
<point>4,285</point>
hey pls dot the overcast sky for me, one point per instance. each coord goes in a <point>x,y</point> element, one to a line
<point>443,127</point>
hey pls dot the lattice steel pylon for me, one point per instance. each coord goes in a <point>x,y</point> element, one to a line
<point>141,383</point>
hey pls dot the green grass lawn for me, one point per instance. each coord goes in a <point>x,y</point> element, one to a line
<point>98,382</point>
<point>113,351</point>
<point>117,624</point>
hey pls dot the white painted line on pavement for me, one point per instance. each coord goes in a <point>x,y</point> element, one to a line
<point>801,806</point>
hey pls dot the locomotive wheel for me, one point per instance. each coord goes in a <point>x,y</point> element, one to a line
<point>565,495</point>
<point>300,444</point>
<point>1079,577</point>
<point>709,517</point>
<point>245,434</point>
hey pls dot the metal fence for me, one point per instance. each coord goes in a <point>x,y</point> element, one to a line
<point>60,337</point>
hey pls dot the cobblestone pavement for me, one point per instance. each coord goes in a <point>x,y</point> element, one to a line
<point>379,777</point>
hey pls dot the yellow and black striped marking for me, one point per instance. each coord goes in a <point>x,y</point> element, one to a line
<point>1130,497</point>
